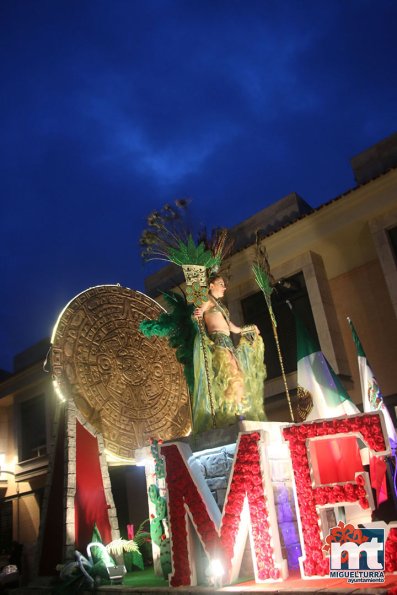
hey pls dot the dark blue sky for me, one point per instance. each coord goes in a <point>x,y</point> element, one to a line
<point>112,108</point>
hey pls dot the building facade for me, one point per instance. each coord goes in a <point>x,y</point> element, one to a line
<point>27,407</point>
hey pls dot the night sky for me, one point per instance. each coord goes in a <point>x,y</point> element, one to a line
<point>111,108</point>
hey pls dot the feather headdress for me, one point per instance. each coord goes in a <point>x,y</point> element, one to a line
<point>168,237</point>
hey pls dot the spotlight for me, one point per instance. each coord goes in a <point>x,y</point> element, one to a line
<point>215,572</point>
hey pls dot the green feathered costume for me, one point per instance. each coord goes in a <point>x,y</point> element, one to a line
<point>183,335</point>
<point>178,327</point>
<point>226,381</point>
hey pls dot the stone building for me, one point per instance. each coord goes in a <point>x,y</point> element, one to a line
<point>27,406</point>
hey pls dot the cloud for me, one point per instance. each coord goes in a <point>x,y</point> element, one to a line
<point>110,109</point>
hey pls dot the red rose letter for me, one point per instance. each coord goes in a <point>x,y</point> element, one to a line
<point>248,507</point>
<point>369,428</point>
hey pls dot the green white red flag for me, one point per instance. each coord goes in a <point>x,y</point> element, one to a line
<point>370,391</point>
<point>323,396</point>
<point>317,380</point>
<point>373,401</point>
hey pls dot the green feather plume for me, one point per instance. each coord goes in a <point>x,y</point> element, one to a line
<point>180,330</point>
<point>263,277</point>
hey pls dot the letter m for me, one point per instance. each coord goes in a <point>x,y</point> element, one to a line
<point>248,509</point>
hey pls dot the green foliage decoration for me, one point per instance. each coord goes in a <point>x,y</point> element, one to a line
<point>179,329</point>
<point>100,557</point>
<point>156,530</point>
<point>153,492</point>
<point>165,557</point>
<point>263,277</point>
<point>156,524</point>
<point>190,253</point>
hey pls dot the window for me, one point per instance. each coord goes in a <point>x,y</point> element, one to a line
<point>392,234</point>
<point>33,428</point>
<point>5,526</point>
<point>384,234</point>
<point>255,311</point>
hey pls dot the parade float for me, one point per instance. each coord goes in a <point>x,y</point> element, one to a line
<point>229,497</point>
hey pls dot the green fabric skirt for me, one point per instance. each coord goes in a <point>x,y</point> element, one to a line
<point>229,381</point>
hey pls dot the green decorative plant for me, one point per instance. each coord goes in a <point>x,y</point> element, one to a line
<point>165,557</point>
<point>157,530</point>
<point>179,329</point>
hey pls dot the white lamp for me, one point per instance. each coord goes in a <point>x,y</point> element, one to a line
<point>215,572</point>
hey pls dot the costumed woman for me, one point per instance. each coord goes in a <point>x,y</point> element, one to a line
<point>236,374</point>
<point>225,383</point>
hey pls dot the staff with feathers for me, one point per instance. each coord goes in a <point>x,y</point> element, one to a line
<point>266,283</point>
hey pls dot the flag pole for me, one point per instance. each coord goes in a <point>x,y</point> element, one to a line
<point>275,333</point>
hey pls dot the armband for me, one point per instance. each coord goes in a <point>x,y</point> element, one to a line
<point>248,329</point>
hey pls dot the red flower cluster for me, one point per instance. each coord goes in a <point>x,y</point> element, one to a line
<point>308,497</point>
<point>183,491</point>
<point>247,482</point>
<point>391,551</point>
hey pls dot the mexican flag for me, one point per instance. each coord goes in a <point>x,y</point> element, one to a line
<point>373,401</point>
<point>317,382</point>
<point>371,394</point>
<point>323,396</point>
